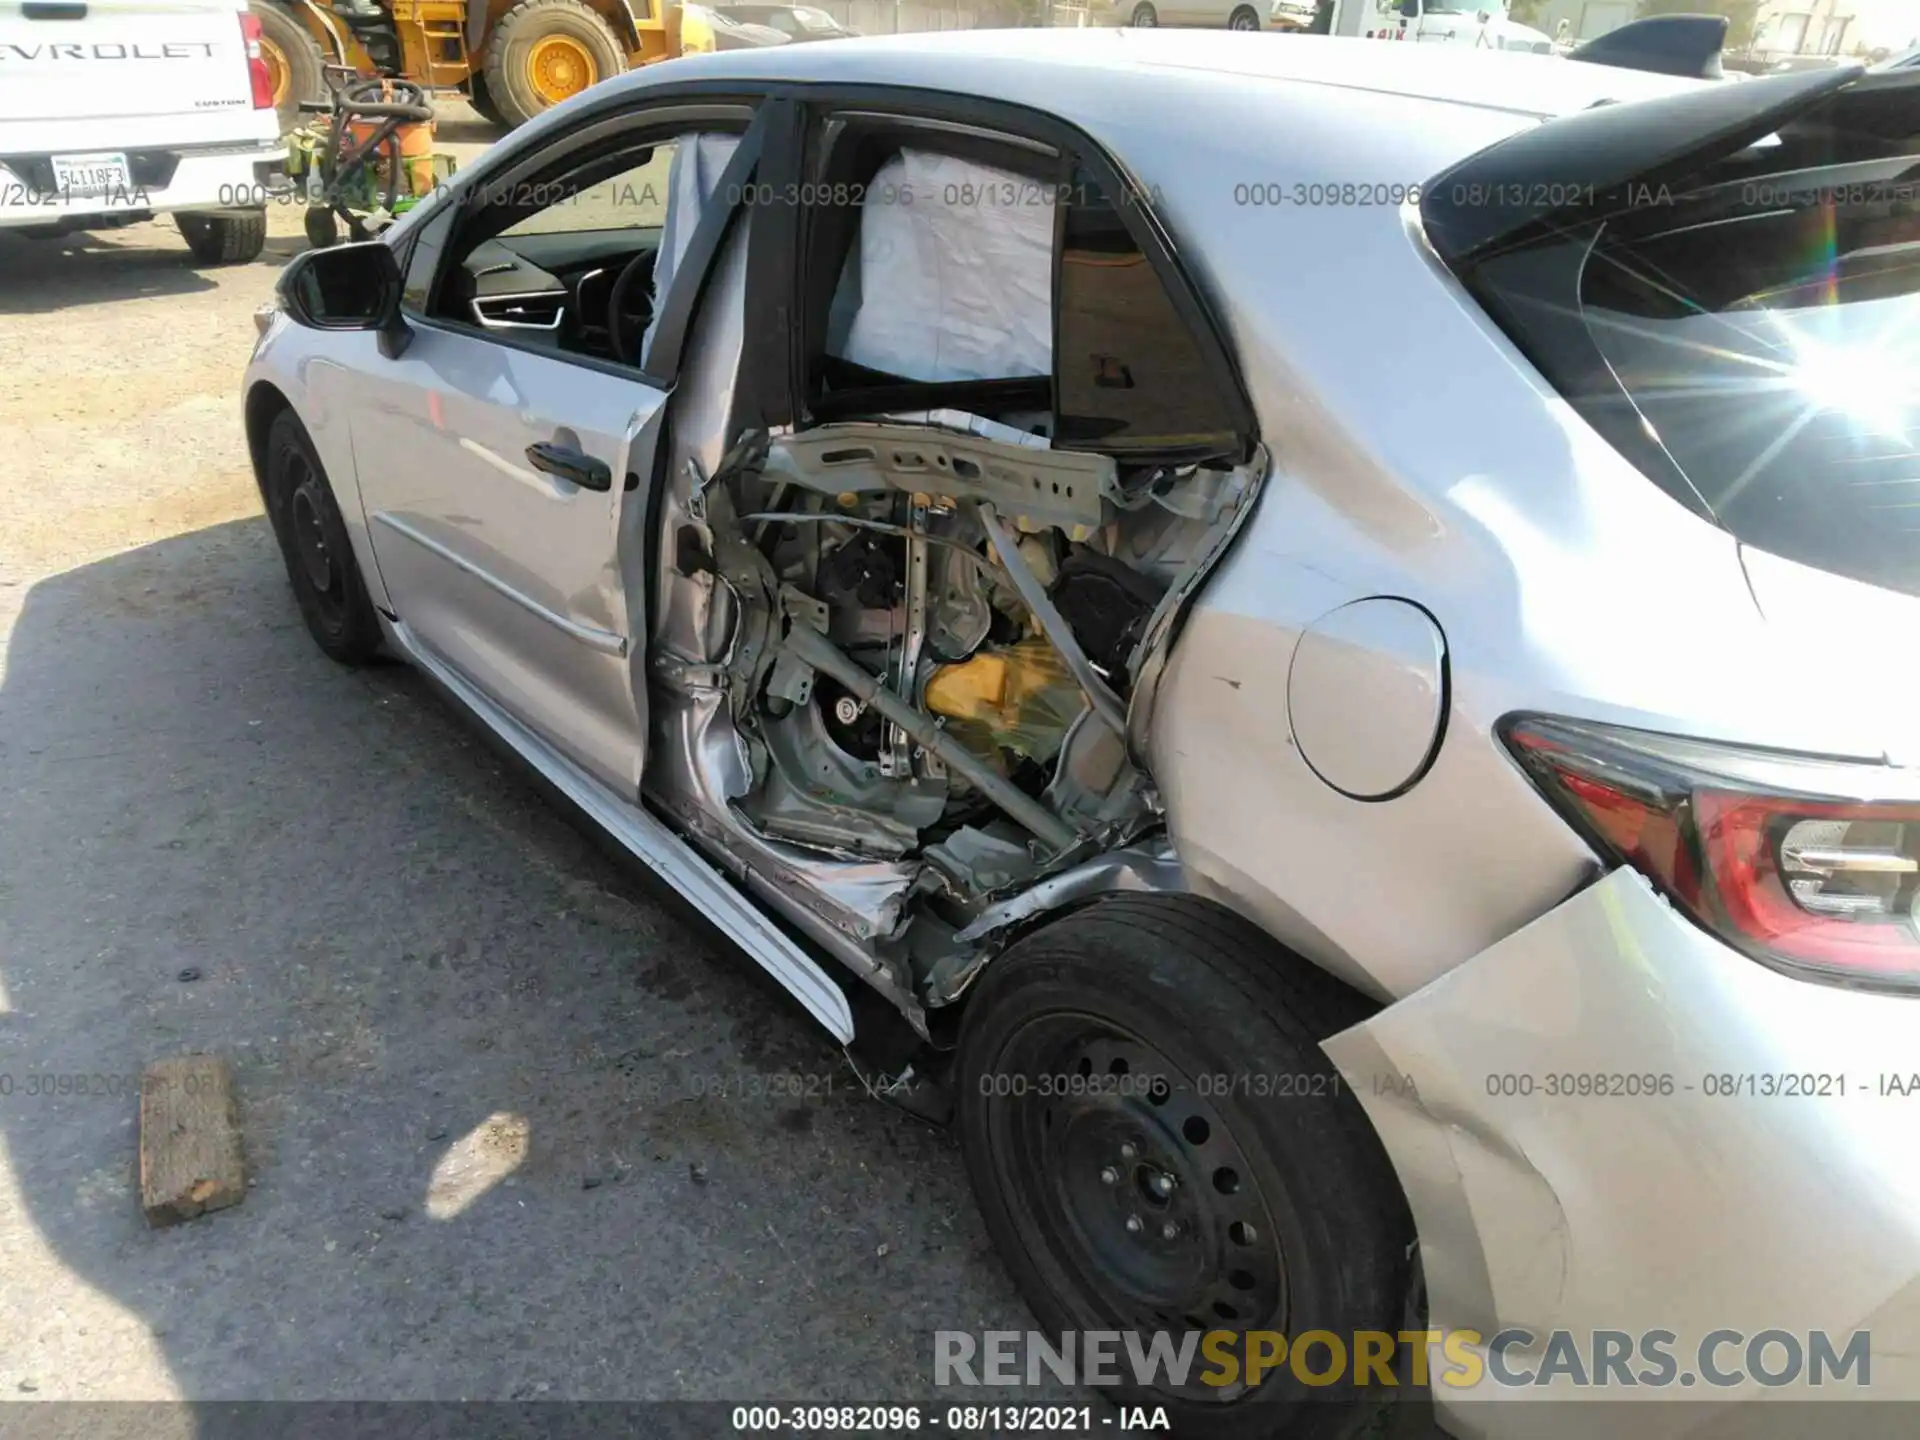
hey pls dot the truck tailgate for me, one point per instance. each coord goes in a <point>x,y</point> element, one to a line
<point>178,61</point>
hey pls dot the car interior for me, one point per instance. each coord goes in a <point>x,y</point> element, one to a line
<point>578,267</point>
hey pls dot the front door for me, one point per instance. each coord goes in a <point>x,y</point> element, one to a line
<point>506,458</point>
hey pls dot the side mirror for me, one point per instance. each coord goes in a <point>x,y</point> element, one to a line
<point>348,287</point>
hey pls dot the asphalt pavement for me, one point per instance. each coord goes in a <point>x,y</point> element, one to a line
<point>515,1130</point>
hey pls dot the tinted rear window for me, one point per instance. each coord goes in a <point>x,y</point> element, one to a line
<point>1775,353</point>
<point>1749,334</point>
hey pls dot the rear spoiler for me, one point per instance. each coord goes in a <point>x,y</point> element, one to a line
<point>1684,45</point>
<point>1595,162</point>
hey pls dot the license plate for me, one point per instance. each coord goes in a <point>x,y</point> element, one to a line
<point>105,174</point>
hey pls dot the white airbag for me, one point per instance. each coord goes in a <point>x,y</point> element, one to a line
<point>952,278</point>
<point>693,175</point>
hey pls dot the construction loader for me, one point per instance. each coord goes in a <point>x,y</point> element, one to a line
<point>511,59</point>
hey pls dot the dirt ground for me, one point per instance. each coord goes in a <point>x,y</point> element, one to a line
<point>509,1120</point>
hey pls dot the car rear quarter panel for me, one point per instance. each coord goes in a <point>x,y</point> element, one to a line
<point>1416,454</point>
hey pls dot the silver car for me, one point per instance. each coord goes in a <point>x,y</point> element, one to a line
<point>1312,637</point>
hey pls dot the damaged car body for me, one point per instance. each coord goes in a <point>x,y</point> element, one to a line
<point>1206,659</point>
<point>896,646</point>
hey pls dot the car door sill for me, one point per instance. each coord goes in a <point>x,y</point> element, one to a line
<point>660,850</point>
<point>604,641</point>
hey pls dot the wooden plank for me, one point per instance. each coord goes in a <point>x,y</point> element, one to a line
<point>190,1160</point>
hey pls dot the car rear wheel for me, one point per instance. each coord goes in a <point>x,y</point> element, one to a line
<point>224,239</point>
<point>295,63</point>
<point>313,541</point>
<point>547,51</point>
<point>1145,17</point>
<point>1245,18</point>
<point>1159,1145</point>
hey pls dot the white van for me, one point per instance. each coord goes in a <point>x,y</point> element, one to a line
<point>113,111</point>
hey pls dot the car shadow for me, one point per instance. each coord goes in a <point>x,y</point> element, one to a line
<point>513,1129</point>
<point>65,272</point>
<point>62,272</point>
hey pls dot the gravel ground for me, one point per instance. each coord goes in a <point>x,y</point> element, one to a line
<point>476,1058</point>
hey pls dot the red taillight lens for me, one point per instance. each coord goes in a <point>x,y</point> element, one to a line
<point>1783,857</point>
<point>257,71</point>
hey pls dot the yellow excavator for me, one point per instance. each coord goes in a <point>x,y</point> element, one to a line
<point>510,58</point>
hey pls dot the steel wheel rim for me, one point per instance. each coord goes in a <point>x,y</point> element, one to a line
<point>560,67</point>
<point>1138,1144</point>
<point>1244,23</point>
<point>1145,20</point>
<point>313,554</point>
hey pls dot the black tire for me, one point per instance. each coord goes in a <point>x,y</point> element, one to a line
<point>1145,17</point>
<point>322,228</point>
<point>1284,1210</point>
<point>314,543</point>
<point>226,239</point>
<point>305,61</point>
<point>483,103</point>
<point>509,53</point>
<point>1245,18</point>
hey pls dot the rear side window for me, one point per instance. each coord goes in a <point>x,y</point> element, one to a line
<point>1132,373</point>
<point>981,274</point>
<point>1749,335</point>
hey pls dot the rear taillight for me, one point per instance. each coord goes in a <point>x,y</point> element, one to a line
<point>257,70</point>
<point>1795,861</point>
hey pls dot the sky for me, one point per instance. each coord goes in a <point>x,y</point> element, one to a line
<point>1885,22</point>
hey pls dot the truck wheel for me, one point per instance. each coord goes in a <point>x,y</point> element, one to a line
<point>314,543</point>
<point>294,61</point>
<point>1144,17</point>
<point>1159,1145</point>
<point>1244,18</point>
<point>226,239</point>
<point>483,103</point>
<point>322,230</point>
<point>546,51</point>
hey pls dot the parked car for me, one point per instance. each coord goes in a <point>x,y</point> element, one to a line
<point>112,114</point>
<point>1216,14</point>
<point>1344,698</point>
<point>796,22</point>
<point>705,29</point>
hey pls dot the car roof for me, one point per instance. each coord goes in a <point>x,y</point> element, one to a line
<point>1045,68</point>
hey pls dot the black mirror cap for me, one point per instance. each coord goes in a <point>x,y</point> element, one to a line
<point>1685,45</point>
<point>344,287</point>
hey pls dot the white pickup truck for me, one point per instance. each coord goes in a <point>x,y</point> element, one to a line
<point>113,111</point>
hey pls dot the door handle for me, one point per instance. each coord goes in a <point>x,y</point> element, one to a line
<point>570,464</point>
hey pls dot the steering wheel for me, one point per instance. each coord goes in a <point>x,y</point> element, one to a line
<point>627,331</point>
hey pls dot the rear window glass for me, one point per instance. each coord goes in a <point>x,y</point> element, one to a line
<point>1774,352</point>
<point>1739,319</point>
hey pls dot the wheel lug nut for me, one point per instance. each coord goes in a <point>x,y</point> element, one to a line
<point>1127,1152</point>
<point>1170,1230</point>
<point>1162,1184</point>
<point>1109,1175</point>
<point>1134,1227</point>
